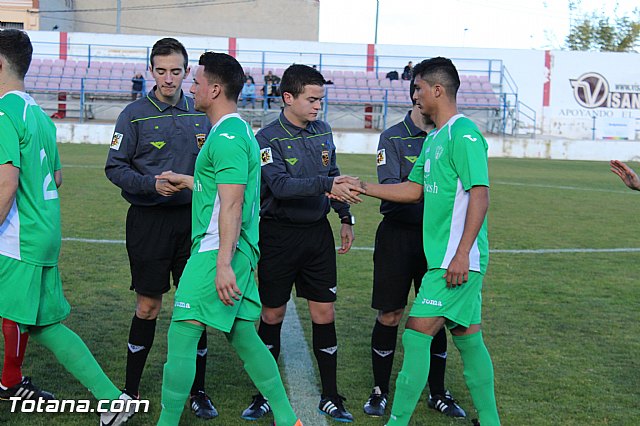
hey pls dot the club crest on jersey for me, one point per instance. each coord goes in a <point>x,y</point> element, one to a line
<point>116,140</point>
<point>381,158</point>
<point>265,156</point>
<point>325,158</point>
<point>439,151</point>
<point>200,139</point>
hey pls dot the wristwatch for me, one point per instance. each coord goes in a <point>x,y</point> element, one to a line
<point>348,220</point>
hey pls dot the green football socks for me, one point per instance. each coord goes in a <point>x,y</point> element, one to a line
<point>262,369</point>
<point>478,373</point>
<point>412,378</point>
<point>179,370</point>
<point>73,354</point>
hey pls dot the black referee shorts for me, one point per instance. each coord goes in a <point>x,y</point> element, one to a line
<point>398,260</point>
<point>300,254</point>
<point>158,244</point>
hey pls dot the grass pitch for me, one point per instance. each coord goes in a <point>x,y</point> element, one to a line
<point>562,326</point>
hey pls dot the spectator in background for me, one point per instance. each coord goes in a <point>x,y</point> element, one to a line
<point>392,75</point>
<point>137,88</point>
<point>248,93</point>
<point>271,83</point>
<point>626,173</point>
<point>408,69</point>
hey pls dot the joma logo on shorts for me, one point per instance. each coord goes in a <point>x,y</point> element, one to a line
<point>431,302</point>
<point>182,305</point>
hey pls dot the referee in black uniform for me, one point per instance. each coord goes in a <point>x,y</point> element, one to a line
<point>160,131</point>
<point>296,242</point>
<point>398,261</point>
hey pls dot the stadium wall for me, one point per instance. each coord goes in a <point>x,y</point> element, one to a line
<point>240,18</point>
<point>575,95</point>
<point>366,143</point>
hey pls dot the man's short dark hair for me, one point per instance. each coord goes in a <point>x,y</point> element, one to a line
<point>167,46</point>
<point>441,71</point>
<point>412,90</point>
<point>297,76</point>
<point>225,70</point>
<point>16,48</point>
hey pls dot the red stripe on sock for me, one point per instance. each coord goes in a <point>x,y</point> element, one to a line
<point>15,345</point>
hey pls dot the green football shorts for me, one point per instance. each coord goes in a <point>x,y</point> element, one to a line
<point>461,305</point>
<point>31,294</point>
<point>197,298</point>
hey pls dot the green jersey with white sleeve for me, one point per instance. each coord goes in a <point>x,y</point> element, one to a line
<point>31,232</point>
<point>230,155</point>
<point>453,160</point>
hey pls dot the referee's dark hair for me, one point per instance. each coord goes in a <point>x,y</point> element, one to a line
<point>16,49</point>
<point>225,70</point>
<point>297,76</point>
<point>167,46</point>
<point>441,71</point>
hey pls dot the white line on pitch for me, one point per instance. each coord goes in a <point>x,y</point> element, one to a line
<point>571,188</point>
<point>507,251</point>
<point>89,240</point>
<point>302,384</point>
<point>81,166</point>
<point>547,251</point>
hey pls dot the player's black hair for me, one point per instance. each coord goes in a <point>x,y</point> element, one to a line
<point>16,48</point>
<point>441,71</point>
<point>225,70</point>
<point>297,76</point>
<point>412,90</point>
<point>167,46</point>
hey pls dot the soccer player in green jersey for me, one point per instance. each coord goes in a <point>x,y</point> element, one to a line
<point>452,176</point>
<point>30,235</point>
<point>218,288</point>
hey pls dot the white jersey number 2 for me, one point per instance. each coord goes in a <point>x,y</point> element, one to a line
<point>49,194</point>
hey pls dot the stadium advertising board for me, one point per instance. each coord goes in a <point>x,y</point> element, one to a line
<point>597,96</point>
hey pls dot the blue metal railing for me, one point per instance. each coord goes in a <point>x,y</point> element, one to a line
<point>503,84</point>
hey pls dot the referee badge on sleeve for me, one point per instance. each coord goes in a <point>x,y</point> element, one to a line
<point>116,140</point>
<point>325,158</point>
<point>381,158</point>
<point>265,156</point>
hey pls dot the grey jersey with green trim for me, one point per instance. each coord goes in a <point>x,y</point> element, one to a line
<point>298,167</point>
<point>398,149</point>
<point>150,137</point>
